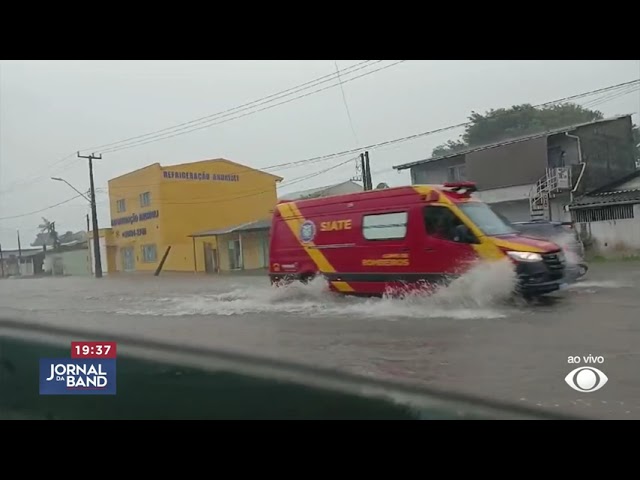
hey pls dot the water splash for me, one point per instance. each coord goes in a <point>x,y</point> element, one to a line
<point>599,284</point>
<point>570,246</point>
<point>477,294</point>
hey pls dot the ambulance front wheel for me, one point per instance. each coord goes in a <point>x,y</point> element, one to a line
<point>306,278</point>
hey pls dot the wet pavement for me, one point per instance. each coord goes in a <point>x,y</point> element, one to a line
<point>469,337</point>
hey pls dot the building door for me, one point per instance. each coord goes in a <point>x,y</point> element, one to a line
<point>235,255</point>
<point>209,258</point>
<point>263,251</point>
<point>128,259</point>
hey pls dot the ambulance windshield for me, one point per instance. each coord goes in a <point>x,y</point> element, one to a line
<point>486,219</point>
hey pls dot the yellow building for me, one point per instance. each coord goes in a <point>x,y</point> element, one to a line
<point>156,209</point>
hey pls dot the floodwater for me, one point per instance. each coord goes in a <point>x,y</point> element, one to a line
<point>470,337</point>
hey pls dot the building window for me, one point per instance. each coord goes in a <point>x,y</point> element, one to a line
<point>603,214</point>
<point>457,173</point>
<point>386,226</point>
<point>121,205</point>
<point>149,253</point>
<point>145,199</point>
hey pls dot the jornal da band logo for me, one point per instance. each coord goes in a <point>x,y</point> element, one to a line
<point>87,372</point>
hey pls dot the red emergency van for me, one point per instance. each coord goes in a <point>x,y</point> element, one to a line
<point>374,241</point>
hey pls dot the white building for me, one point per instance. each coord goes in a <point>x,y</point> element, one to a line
<point>609,218</point>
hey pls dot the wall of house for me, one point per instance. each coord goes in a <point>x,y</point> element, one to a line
<point>557,208</point>
<point>76,262</point>
<point>235,194</point>
<point>613,237</point>
<point>255,250</point>
<point>631,184</point>
<point>507,194</point>
<point>609,152</point>
<point>71,262</point>
<point>521,163</point>
<point>26,267</point>
<point>562,144</point>
<point>435,172</point>
<point>518,211</point>
<point>104,259</point>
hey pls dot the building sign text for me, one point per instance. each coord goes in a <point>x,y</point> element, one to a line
<point>201,176</point>
<point>134,233</point>
<point>135,218</point>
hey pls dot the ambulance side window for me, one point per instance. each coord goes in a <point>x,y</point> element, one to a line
<point>442,223</point>
<point>385,226</point>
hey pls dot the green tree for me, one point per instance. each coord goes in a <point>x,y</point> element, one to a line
<point>505,123</point>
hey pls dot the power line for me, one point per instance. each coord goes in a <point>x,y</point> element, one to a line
<point>41,210</point>
<point>355,151</point>
<point>274,96</point>
<point>186,131</point>
<point>346,105</point>
<point>31,179</point>
<point>255,192</point>
<point>612,95</point>
<point>391,142</point>
<point>269,98</point>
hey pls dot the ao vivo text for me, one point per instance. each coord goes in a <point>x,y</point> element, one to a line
<point>586,359</point>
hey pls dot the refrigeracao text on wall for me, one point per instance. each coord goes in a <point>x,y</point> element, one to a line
<point>202,176</point>
<point>134,218</point>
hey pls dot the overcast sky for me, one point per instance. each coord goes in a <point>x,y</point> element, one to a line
<point>50,109</point>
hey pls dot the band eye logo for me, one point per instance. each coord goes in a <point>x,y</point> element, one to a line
<point>586,379</point>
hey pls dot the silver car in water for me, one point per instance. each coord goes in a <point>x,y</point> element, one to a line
<point>564,235</point>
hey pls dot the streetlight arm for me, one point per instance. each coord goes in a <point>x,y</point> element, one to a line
<point>63,180</point>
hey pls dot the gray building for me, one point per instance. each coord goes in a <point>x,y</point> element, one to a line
<point>538,175</point>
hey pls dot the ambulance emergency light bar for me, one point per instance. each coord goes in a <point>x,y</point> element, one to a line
<point>469,187</point>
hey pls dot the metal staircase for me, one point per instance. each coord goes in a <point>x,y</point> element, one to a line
<point>542,193</point>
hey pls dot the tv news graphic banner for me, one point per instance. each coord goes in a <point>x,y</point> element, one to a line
<point>89,370</point>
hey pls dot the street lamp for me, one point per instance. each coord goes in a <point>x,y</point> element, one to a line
<point>96,242</point>
<point>57,179</point>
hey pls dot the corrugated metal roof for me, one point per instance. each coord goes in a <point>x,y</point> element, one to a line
<point>510,141</point>
<point>244,227</point>
<point>607,198</point>
<point>25,253</point>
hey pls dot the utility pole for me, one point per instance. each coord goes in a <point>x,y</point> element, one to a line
<point>1,262</point>
<point>363,168</point>
<point>19,255</point>
<point>94,215</point>
<point>368,173</point>
<point>88,227</point>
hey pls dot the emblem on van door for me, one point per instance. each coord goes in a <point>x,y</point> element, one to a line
<point>307,231</point>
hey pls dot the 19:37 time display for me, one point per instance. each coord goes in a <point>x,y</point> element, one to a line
<point>93,350</point>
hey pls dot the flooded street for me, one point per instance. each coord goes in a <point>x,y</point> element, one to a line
<point>468,337</point>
